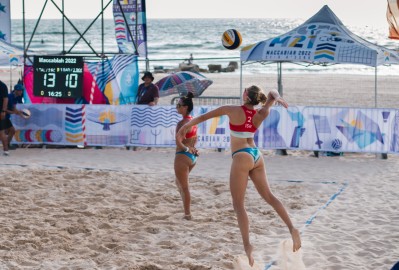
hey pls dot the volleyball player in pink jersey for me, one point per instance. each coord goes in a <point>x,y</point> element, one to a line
<point>186,153</point>
<point>247,159</point>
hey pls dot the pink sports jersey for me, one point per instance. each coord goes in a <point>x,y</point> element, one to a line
<point>247,129</point>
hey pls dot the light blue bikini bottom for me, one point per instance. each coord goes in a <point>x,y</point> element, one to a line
<point>191,156</point>
<point>254,152</point>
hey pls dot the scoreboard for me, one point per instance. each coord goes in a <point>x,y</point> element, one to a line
<point>58,76</point>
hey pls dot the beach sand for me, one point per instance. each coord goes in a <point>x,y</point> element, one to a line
<point>306,89</point>
<point>332,90</point>
<point>114,208</point>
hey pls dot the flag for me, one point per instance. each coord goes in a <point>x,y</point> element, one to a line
<point>130,26</point>
<point>10,55</point>
<point>393,18</point>
<point>5,21</point>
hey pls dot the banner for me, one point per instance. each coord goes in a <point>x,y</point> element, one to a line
<point>5,21</point>
<point>112,81</point>
<point>323,129</point>
<point>130,26</point>
<point>10,55</point>
<point>393,18</point>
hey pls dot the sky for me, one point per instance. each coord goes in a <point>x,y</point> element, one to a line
<point>351,12</point>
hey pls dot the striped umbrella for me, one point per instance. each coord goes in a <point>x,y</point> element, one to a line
<point>183,82</point>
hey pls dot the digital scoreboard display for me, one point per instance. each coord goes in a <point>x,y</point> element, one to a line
<point>58,76</point>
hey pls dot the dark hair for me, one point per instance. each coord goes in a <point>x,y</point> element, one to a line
<point>255,95</point>
<point>188,101</point>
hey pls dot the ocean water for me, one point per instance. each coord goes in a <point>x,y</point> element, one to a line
<point>170,41</point>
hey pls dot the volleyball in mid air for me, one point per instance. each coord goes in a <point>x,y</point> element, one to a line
<point>231,39</point>
<point>26,113</point>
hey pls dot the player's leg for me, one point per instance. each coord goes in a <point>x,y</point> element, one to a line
<point>241,164</point>
<point>182,168</point>
<point>259,178</point>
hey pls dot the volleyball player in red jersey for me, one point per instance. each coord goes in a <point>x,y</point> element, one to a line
<point>186,153</point>
<point>247,159</point>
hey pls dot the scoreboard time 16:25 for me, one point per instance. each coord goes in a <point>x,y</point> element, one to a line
<point>58,76</point>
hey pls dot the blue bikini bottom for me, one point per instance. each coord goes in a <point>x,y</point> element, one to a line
<point>191,156</point>
<point>254,152</point>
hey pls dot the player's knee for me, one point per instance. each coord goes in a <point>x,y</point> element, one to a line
<point>185,189</point>
<point>238,207</point>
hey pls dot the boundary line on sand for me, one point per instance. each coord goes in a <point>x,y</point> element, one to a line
<point>74,167</point>
<point>312,217</point>
<point>59,167</point>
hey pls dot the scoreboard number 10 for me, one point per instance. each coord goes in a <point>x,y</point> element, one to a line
<point>58,76</point>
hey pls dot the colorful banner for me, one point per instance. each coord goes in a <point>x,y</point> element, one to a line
<point>112,81</point>
<point>130,26</point>
<point>5,21</point>
<point>393,18</point>
<point>322,129</point>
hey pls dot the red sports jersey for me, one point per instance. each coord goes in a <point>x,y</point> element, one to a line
<point>193,131</point>
<point>247,129</point>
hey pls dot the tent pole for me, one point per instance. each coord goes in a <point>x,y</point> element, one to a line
<point>382,155</point>
<point>63,29</point>
<point>23,30</point>
<point>281,152</point>
<point>240,81</point>
<point>375,87</point>
<point>279,79</point>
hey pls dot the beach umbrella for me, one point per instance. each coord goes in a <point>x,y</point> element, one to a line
<point>183,82</point>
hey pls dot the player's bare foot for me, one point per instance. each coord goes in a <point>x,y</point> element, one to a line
<point>188,217</point>
<point>248,251</point>
<point>296,239</point>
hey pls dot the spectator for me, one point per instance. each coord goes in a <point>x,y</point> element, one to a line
<point>191,59</point>
<point>3,107</point>
<point>148,93</point>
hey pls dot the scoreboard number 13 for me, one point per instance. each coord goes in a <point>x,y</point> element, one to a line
<point>58,76</point>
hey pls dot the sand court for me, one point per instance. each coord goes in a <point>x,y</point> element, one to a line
<point>114,208</point>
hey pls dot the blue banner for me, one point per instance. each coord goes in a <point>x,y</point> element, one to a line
<point>5,21</point>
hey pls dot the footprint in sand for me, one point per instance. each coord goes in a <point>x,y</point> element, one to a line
<point>289,260</point>
<point>241,263</point>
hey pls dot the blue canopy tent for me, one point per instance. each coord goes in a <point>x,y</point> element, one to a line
<point>321,40</point>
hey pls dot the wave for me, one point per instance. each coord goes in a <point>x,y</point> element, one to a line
<point>154,117</point>
<point>178,38</point>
